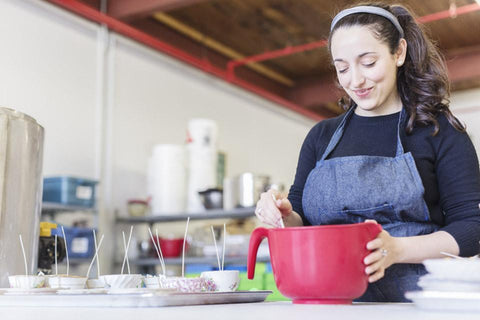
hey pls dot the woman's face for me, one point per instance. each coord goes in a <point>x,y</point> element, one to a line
<point>367,70</point>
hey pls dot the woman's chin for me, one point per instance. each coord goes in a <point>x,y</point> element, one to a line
<point>366,108</point>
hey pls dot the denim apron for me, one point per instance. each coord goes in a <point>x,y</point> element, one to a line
<point>389,190</point>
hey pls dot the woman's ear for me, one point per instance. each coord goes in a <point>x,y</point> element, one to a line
<point>401,52</point>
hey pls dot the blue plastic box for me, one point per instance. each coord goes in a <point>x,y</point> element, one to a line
<point>69,191</point>
<point>80,242</point>
<point>195,269</point>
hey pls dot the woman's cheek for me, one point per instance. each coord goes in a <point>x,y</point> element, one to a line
<point>376,74</point>
<point>343,80</point>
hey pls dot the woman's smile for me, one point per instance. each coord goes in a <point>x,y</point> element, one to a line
<point>363,93</point>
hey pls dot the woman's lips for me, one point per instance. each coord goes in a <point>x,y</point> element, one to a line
<point>362,93</point>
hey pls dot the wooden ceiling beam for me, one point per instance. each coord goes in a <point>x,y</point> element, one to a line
<point>219,47</point>
<point>132,9</point>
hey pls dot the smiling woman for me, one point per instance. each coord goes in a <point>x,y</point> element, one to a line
<point>397,157</point>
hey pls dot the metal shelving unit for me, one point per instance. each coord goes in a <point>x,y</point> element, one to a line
<point>52,207</point>
<point>148,262</point>
<point>239,213</point>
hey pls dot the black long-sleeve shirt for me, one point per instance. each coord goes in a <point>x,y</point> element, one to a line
<point>447,164</point>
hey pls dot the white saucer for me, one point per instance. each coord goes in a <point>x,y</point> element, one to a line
<point>83,291</point>
<point>22,291</point>
<point>431,283</point>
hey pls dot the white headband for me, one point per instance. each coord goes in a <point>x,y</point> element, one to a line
<point>368,9</point>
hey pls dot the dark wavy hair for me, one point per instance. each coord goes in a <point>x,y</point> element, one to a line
<point>422,81</point>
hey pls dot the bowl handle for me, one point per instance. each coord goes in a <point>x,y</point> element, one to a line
<point>255,239</point>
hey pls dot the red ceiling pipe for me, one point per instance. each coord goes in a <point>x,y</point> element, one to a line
<point>126,30</point>
<point>451,13</point>
<point>231,65</point>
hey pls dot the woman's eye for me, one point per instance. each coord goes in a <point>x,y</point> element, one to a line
<point>371,64</point>
<point>342,70</point>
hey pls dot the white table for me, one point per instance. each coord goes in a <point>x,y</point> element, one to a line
<point>246,311</point>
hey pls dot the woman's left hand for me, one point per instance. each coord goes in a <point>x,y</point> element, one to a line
<point>384,253</point>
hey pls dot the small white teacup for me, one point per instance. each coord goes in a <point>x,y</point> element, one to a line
<point>155,282</point>
<point>95,284</point>
<point>26,282</point>
<point>222,281</point>
<point>66,282</point>
<point>122,281</point>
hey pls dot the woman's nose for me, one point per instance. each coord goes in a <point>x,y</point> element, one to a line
<point>357,78</point>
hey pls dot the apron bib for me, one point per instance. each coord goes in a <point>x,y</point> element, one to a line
<point>389,190</point>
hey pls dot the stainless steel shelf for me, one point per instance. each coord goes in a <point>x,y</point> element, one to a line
<point>209,214</point>
<point>50,207</point>
<point>195,260</point>
<point>76,261</point>
<point>73,261</point>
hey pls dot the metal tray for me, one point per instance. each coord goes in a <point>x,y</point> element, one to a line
<point>142,300</point>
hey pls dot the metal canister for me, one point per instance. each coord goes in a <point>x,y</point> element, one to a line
<point>21,160</point>
<point>249,187</point>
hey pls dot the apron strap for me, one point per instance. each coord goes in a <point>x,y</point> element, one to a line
<point>400,150</point>
<point>337,135</point>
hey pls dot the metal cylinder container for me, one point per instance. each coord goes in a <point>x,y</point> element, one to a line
<point>21,160</point>
<point>249,188</point>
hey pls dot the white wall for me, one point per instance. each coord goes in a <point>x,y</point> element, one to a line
<point>47,70</point>
<point>466,106</point>
<point>49,66</point>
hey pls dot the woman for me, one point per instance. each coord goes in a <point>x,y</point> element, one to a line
<point>397,157</point>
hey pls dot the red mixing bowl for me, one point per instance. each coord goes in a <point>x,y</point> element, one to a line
<point>318,264</point>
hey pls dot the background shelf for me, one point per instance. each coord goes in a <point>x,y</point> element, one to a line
<point>195,260</point>
<point>52,207</point>
<point>209,214</point>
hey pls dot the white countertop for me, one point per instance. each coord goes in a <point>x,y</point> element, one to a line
<point>263,310</point>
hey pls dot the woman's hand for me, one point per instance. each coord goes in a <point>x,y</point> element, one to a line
<point>385,253</point>
<point>271,208</point>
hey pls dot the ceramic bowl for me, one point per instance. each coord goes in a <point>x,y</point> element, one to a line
<point>66,282</point>
<point>454,269</point>
<point>120,281</point>
<point>137,208</point>
<point>95,284</point>
<point>222,281</point>
<point>154,282</point>
<point>185,284</point>
<point>26,282</point>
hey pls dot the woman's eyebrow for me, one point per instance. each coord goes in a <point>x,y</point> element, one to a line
<point>360,55</point>
<point>365,53</point>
